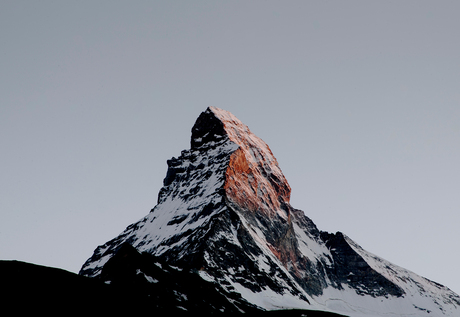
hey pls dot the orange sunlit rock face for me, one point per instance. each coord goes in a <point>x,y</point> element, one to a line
<point>241,185</point>
<point>247,185</point>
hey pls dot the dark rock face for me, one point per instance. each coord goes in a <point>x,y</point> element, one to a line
<point>206,129</point>
<point>224,215</point>
<point>353,270</point>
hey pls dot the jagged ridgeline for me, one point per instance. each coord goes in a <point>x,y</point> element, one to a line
<point>224,216</point>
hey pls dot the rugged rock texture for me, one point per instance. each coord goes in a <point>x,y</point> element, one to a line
<point>351,269</point>
<point>224,213</point>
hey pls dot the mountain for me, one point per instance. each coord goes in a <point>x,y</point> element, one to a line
<point>224,215</point>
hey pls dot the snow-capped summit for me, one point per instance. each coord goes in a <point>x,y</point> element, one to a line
<point>224,213</point>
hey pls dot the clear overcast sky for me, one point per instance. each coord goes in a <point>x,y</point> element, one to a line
<point>358,100</point>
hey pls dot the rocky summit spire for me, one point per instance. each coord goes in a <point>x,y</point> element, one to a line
<point>253,179</point>
<point>224,214</point>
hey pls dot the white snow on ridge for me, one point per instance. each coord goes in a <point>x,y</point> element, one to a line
<point>311,248</point>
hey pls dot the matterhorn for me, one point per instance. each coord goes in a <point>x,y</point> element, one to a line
<point>223,225</point>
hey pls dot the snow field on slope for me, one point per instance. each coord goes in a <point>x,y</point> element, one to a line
<point>348,302</point>
<point>161,226</point>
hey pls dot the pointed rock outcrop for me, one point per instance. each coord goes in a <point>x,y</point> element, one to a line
<point>253,179</point>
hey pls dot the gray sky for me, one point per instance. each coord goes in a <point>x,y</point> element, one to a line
<point>358,100</point>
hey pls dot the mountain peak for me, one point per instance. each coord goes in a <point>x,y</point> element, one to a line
<point>253,179</point>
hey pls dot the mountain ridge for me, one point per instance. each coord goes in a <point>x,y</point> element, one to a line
<point>224,211</point>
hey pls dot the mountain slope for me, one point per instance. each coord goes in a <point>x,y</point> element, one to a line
<point>224,213</point>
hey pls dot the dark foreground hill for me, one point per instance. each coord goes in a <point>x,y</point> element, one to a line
<point>29,289</point>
